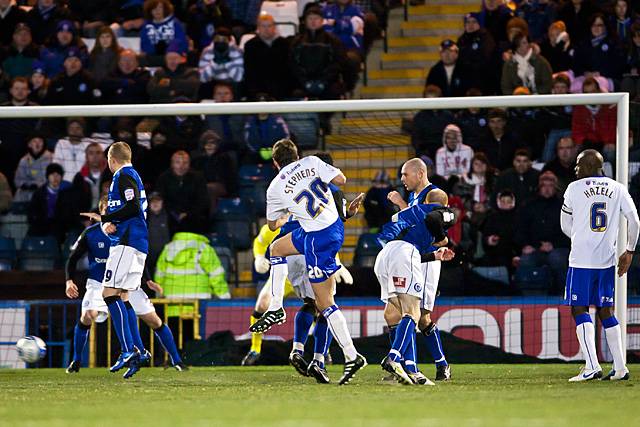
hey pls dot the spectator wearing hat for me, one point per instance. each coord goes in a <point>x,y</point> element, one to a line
<point>428,125</point>
<point>267,48</point>
<point>557,48</point>
<point>453,159</point>
<point>260,130</point>
<point>74,86</point>
<point>10,16</point>
<point>525,68</point>
<point>204,18</point>
<point>43,19</point>
<point>17,59</point>
<point>478,55</point>
<point>447,74</point>
<point>160,29</point>
<point>127,84</point>
<point>522,179</point>
<point>39,83</point>
<point>538,233</point>
<point>563,165</point>
<point>57,50</point>
<point>104,55</point>
<point>378,209</point>
<point>220,168</point>
<point>539,15</point>
<point>174,79</point>
<point>498,142</point>
<point>31,171</point>
<point>158,227</point>
<point>221,60</point>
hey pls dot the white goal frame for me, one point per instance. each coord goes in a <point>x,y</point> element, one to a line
<point>381,105</point>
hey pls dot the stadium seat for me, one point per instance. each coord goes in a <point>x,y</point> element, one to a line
<point>7,253</point>
<point>253,173</point>
<point>304,129</point>
<point>39,253</point>
<point>366,250</point>
<point>234,219</point>
<point>533,280</point>
<point>224,250</point>
<point>14,226</point>
<point>285,14</point>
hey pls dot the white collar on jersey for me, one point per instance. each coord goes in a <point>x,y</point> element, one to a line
<point>123,166</point>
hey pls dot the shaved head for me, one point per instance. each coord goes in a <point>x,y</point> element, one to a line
<point>416,165</point>
<point>589,163</point>
<point>414,174</point>
<point>438,196</point>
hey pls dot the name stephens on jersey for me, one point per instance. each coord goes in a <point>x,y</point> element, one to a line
<point>297,177</point>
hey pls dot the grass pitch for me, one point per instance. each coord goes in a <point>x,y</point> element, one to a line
<point>479,395</point>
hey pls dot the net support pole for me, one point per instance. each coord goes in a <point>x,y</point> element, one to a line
<point>622,176</point>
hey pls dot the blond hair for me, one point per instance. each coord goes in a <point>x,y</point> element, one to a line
<point>121,152</point>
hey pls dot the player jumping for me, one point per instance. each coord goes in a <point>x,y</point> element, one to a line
<point>591,218</point>
<point>301,188</point>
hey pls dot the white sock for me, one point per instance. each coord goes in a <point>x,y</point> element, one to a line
<point>318,357</point>
<point>587,337</point>
<point>614,341</point>
<point>298,346</point>
<point>338,325</point>
<point>278,276</point>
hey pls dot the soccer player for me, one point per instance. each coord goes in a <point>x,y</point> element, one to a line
<point>408,241</point>
<point>414,177</point>
<point>301,188</point>
<point>591,218</point>
<point>127,228</point>
<point>94,242</point>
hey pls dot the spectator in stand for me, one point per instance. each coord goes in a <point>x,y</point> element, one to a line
<point>499,143</point>
<point>260,130</point>
<point>160,29</point>
<point>10,16</point>
<point>575,14</point>
<point>204,19</point>
<point>563,165</point>
<point>229,127</point>
<point>318,59</point>
<point>477,184</point>
<point>498,231</point>
<point>539,15</point>
<point>472,122</point>
<point>156,159</point>
<point>494,16</point>
<point>245,15</point>
<point>158,226</point>
<point>428,126</point>
<point>39,83</point>
<point>86,183</point>
<point>220,168</point>
<point>620,22</point>
<point>631,77</point>
<point>74,86</point>
<point>346,21</point>
<point>127,84</point>
<point>556,47</point>
<point>185,194</point>
<point>453,159</point>
<point>14,132</point>
<point>594,126</point>
<point>221,60</point>
<point>70,152</point>
<point>539,235</point>
<point>103,58</point>
<point>92,15</point>
<point>18,59</point>
<point>182,132</point>
<point>376,18</point>
<point>526,68</point>
<point>378,209</point>
<point>478,55</point>
<point>128,17</point>
<point>43,19</point>
<point>57,50</point>
<point>31,171</point>
<point>556,120</point>
<point>174,79</point>
<point>447,74</point>
<point>267,48</point>
<point>522,179</point>
<point>47,212</point>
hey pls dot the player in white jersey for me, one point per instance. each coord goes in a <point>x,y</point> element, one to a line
<point>591,218</point>
<point>302,189</point>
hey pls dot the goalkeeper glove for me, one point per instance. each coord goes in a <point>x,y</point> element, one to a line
<point>261,264</point>
<point>343,275</point>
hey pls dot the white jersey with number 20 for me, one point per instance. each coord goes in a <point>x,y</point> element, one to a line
<point>595,205</point>
<point>301,188</point>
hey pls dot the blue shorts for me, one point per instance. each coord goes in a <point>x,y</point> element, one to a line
<point>590,286</point>
<point>319,249</point>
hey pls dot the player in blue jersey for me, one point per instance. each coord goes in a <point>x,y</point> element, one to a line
<point>408,242</point>
<point>125,223</point>
<point>95,243</point>
<point>414,177</point>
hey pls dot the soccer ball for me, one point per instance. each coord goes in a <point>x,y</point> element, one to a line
<point>31,348</point>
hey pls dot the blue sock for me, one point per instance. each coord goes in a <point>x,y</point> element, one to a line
<point>609,322</point>
<point>410,355</point>
<point>301,326</point>
<point>133,327</point>
<point>321,338</point>
<point>402,340</point>
<point>120,320</point>
<point>582,318</point>
<point>80,336</point>
<point>166,339</point>
<point>434,344</point>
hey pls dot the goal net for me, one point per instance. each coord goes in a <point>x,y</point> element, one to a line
<point>504,162</point>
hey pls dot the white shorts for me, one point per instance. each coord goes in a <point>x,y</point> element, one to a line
<point>140,302</point>
<point>431,278</point>
<point>299,277</point>
<point>399,270</point>
<point>124,268</point>
<point>93,300</point>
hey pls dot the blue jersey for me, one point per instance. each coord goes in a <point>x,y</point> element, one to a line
<point>127,210</point>
<point>420,199</point>
<point>411,227</point>
<point>95,243</point>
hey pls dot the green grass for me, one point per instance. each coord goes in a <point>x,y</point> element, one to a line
<point>491,395</point>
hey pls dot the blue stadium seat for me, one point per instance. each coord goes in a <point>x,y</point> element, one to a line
<point>533,280</point>
<point>304,129</point>
<point>39,253</point>
<point>227,256</point>
<point>234,219</point>
<point>7,253</point>
<point>255,195</point>
<point>253,173</point>
<point>366,250</point>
